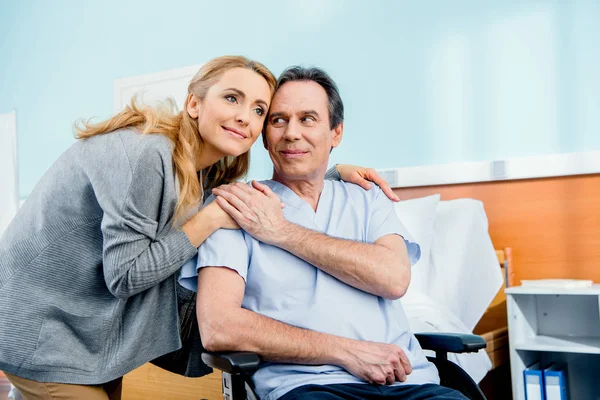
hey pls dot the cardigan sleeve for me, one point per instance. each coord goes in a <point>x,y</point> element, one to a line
<point>332,174</point>
<point>135,255</point>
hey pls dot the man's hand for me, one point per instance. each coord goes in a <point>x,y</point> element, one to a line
<point>361,176</point>
<point>257,210</point>
<point>377,363</point>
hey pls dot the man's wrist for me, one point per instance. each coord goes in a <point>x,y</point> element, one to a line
<point>338,353</point>
<point>284,235</point>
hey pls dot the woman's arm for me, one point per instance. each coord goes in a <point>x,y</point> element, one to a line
<point>206,222</point>
<point>136,256</point>
<point>361,177</point>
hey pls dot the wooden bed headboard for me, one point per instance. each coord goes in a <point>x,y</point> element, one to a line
<point>551,224</point>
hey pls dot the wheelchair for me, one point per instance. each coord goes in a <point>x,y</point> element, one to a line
<point>238,367</point>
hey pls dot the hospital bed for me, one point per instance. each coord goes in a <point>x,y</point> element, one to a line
<point>458,285</point>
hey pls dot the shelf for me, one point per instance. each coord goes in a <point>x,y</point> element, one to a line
<point>564,344</point>
<point>593,290</point>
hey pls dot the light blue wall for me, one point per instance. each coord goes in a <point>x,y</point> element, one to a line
<point>423,82</point>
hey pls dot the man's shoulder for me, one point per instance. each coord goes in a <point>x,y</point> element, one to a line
<point>270,183</point>
<point>357,193</point>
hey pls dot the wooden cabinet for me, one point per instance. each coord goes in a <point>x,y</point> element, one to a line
<point>150,382</point>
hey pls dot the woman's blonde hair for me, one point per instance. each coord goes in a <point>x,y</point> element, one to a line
<point>183,130</point>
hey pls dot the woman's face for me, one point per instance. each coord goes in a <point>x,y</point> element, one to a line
<point>231,116</point>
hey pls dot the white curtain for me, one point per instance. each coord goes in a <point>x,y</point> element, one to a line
<point>9,191</point>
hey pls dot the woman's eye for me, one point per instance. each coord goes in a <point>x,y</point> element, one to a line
<point>230,98</point>
<point>259,111</point>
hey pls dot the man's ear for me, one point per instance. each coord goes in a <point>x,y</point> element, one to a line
<point>192,106</point>
<point>337,134</point>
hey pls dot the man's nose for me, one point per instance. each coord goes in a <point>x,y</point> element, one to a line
<point>293,132</point>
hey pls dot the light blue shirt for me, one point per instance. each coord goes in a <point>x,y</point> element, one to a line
<point>282,286</point>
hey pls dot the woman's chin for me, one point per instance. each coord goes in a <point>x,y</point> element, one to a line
<point>234,151</point>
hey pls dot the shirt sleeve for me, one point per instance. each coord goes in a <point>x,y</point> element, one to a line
<point>384,221</point>
<point>224,248</point>
<point>136,255</point>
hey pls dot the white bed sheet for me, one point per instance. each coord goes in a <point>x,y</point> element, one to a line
<point>465,275</point>
<point>426,315</point>
<point>462,275</point>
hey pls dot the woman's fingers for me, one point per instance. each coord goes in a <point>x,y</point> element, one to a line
<point>373,176</point>
<point>362,182</point>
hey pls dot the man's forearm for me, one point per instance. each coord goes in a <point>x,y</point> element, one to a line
<point>274,341</point>
<point>370,267</point>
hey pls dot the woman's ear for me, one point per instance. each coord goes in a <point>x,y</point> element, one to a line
<point>192,106</point>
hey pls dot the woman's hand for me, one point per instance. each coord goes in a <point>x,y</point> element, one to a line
<point>221,219</point>
<point>206,222</point>
<point>256,209</point>
<point>361,176</point>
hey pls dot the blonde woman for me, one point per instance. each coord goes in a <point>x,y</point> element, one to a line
<point>87,285</point>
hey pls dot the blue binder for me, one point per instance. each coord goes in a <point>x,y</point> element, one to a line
<point>555,382</point>
<point>533,379</point>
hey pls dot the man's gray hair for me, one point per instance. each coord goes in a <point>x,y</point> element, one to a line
<point>297,73</point>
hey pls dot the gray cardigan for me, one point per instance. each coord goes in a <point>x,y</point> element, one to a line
<point>87,267</point>
<point>87,285</point>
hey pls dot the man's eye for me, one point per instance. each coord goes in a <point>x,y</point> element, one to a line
<point>308,118</point>
<point>277,120</point>
<point>230,98</point>
<point>259,111</point>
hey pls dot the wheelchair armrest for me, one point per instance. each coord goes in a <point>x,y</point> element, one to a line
<point>233,363</point>
<point>451,342</point>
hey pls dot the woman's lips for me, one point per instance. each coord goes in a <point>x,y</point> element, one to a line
<point>234,132</point>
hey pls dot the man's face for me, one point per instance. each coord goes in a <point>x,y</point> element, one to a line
<point>298,136</point>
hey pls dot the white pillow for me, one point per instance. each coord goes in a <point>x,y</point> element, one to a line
<point>464,271</point>
<point>418,216</point>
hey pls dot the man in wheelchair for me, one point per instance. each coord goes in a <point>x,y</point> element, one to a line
<point>312,288</point>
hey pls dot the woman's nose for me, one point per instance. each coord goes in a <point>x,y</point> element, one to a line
<point>243,117</point>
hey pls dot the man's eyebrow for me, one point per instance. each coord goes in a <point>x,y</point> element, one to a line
<point>277,114</point>
<point>243,96</point>
<point>309,112</point>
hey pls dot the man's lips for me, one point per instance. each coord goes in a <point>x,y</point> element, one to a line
<point>235,132</point>
<point>293,153</point>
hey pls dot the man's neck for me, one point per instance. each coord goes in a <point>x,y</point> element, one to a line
<point>309,189</point>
